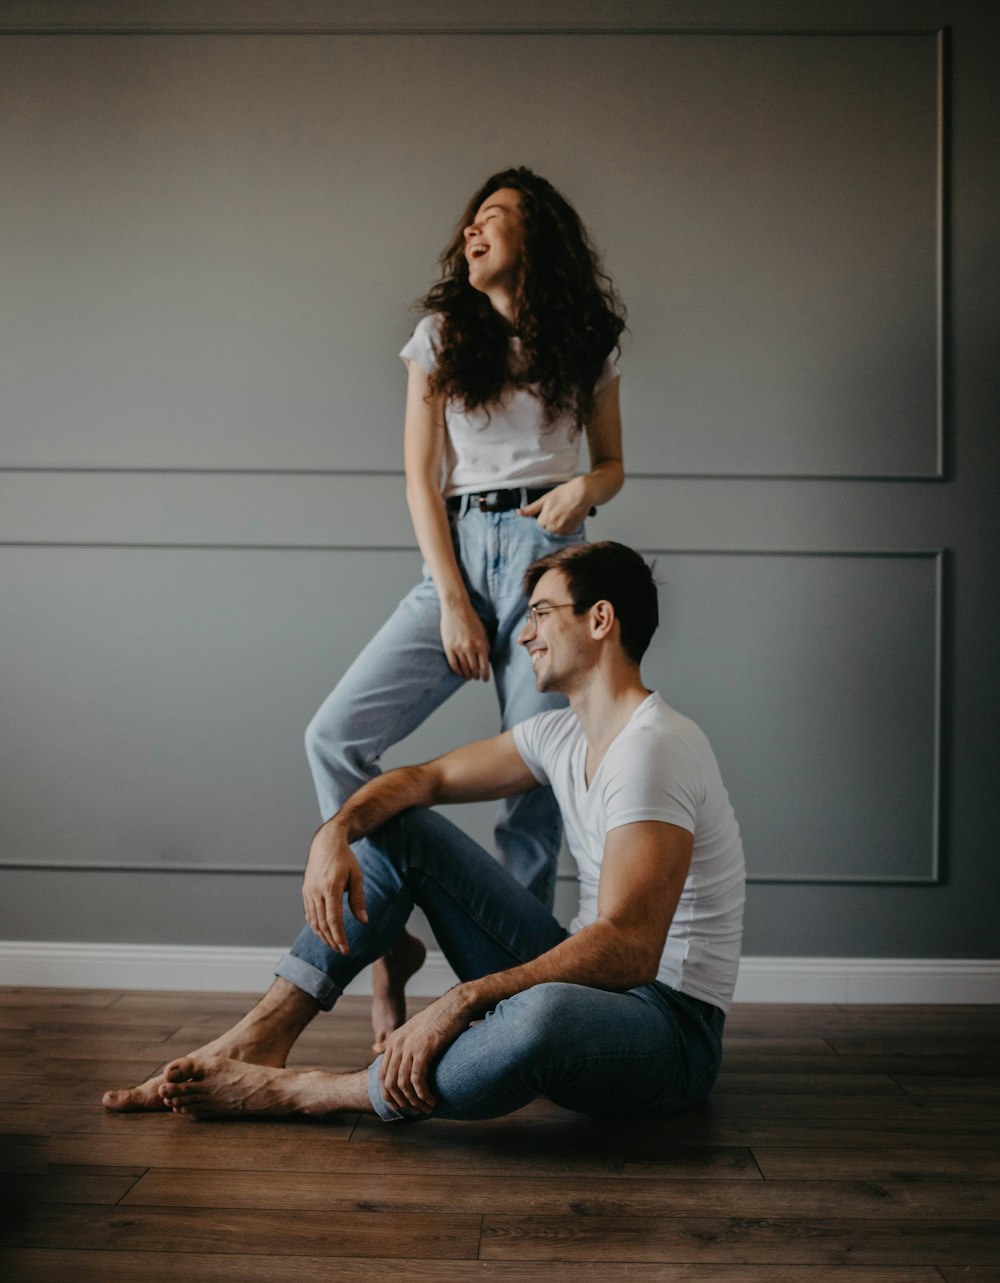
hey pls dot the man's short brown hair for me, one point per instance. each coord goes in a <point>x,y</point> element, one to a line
<point>611,572</point>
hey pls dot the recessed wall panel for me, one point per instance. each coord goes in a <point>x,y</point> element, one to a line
<point>210,242</point>
<point>155,701</point>
<point>816,678</point>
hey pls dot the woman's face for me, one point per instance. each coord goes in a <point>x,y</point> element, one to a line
<point>494,244</point>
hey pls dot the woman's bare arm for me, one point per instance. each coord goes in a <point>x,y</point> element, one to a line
<point>463,636</point>
<point>564,507</point>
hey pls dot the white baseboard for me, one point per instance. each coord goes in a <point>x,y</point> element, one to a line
<point>927,980</point>
<point>199,969</point>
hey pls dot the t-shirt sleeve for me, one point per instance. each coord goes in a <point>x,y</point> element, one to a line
<point>655,776</point>
<point>421,348</point>
<point>609,370</point>
<point>528,740</point>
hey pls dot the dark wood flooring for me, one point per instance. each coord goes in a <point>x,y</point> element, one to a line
<point>849,1144</point>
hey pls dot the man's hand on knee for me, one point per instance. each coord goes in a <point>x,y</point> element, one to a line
<point>413,1050</point>
<point>330,871</point>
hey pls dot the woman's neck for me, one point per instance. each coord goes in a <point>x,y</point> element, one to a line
<point>505,305</point>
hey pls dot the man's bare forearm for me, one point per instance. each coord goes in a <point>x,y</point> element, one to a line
<point>387,795</point>
<point>332,870</point>
<point>600,956</point>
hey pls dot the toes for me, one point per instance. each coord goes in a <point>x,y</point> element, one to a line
<point>181,1071</point>
<point>182,1098</point>
<point>129,1099</point>
<point>178,1097</point>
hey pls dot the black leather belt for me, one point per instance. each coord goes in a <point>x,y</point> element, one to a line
<point>495,500</point>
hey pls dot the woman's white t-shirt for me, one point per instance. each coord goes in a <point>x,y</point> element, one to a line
<point>659,767</point>
<point>510,445</point>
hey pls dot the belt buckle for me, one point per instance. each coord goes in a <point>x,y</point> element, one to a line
<point>488,501</point>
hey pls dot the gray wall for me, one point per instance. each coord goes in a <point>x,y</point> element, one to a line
<point>215,218</point>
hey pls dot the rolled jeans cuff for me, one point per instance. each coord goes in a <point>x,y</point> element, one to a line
<point>388,1113</point>
<point>303,975</point>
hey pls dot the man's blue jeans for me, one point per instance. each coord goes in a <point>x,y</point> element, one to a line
<point>649,1050</point>
<point>402,676</point>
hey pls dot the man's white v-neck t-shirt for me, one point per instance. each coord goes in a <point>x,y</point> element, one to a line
<point>659,767</point>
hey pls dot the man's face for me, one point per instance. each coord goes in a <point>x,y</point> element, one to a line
<point>555,637</point>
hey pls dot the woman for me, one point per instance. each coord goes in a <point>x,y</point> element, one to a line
<point>513,363</point>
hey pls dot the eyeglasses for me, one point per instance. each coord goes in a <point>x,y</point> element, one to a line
<point>535,613</point>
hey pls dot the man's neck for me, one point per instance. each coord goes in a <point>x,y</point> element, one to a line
<point>605,703</point>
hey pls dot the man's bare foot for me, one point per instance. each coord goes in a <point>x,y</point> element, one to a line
<point>215,1085</point>
<point>264,1036</point>
<point>127,1100</point>
<point>389,976</point>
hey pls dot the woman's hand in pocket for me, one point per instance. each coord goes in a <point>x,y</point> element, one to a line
<point>562,509</point>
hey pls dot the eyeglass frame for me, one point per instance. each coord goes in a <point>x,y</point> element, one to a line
<point>534,613</point>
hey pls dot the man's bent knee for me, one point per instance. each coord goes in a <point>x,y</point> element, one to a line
<point>541,1017</point>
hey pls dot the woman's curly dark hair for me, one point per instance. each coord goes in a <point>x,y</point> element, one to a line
<point>569,316</point>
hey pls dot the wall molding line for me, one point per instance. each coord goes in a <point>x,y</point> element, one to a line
<point>395,18</point>
<point>153,470</point>
<point>196,968</point>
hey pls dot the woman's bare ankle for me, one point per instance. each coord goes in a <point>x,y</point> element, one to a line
<point>389,977</point>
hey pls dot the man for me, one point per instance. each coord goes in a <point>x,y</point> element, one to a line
<point>623,1013</point>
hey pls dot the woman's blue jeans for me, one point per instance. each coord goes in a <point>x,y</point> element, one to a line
<point>649,1050</point>
<point>402,676</point>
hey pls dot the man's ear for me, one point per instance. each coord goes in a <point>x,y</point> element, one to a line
<point>602,618</point>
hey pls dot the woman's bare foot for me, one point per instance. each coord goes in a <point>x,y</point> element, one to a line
<point>389,976</point>
<point>216,1085</point>
<point>264,1036</point>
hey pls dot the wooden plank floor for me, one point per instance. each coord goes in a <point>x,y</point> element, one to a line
<point>849,1144</point>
